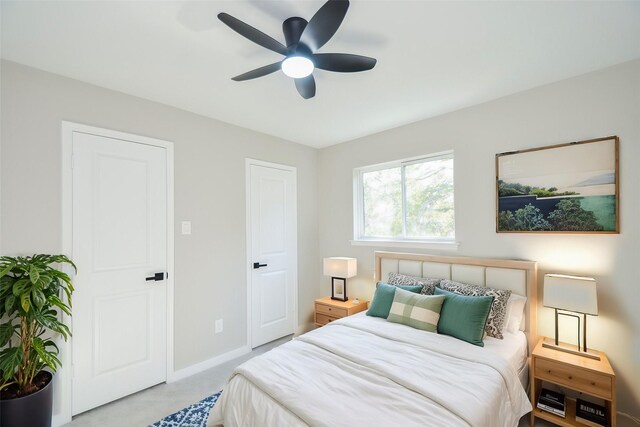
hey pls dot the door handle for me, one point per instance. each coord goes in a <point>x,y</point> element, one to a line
<point>156,277</point>
<point>258,265</point>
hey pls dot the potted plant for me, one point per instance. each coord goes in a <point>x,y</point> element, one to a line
<point>32,296</point>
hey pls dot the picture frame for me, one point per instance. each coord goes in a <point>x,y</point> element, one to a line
<point>564,188</point>
<point>339,289</point>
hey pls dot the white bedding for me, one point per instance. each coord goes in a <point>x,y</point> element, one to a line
<point>367,371</point>
<point>513,348</point>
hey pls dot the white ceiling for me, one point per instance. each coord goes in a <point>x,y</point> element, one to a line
<point>433,57</point>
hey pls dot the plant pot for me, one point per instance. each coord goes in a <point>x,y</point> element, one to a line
<point>33,410</point>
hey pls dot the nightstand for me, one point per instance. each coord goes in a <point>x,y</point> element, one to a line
<point>588,376</point>
<point>328,310</point>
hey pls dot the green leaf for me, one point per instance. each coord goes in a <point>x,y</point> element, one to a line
<point>21,286</point>
<point>62,276</point>
<point>64,260</point>
<point>47,319</point>
<point>10,360</point>
<point>55,300</point>
<point>45,281</point>
<point>50,321</point>
<point>7,267</point>
<point>47,356</point>
<point>9,303</point>
<point>6,331</point>
<point>51,343</point>
<point>34,273</point>
<point>64,331</point>
<point>25,302</point>
<point>6,284</point>
<point>38,298</point>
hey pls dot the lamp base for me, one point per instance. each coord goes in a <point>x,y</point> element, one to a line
<point>568,348</point>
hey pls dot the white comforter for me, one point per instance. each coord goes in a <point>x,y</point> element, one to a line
<point>363,371</point>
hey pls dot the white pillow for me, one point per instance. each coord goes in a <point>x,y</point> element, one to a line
<point>515,313</point>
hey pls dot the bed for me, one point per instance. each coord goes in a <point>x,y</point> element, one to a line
<point>364,370</point>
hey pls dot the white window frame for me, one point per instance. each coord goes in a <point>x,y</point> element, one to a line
<point>359,239</point>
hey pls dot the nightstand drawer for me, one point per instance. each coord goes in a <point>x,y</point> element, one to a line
<point>322,319</point>
<point>574,378</point>
<point>331,311</point>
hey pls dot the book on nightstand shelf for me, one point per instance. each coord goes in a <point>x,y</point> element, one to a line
<point>552,401</point>
<point>591,414</point>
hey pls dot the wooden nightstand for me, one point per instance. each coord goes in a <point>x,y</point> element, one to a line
<point>328,310</point>
<point>588,376</point>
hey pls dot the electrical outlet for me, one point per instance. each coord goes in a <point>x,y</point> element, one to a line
<point>186,227</point>
<point>219,326</point>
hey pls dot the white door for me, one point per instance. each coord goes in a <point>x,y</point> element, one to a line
<point>119,240</point>
<point>272,232</point>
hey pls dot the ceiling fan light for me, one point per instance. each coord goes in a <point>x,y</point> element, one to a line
<point>297,67</point>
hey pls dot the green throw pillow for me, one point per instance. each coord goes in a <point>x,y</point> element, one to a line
<point>417,311</point>
<point>383,298</point>
<point>463,316</point>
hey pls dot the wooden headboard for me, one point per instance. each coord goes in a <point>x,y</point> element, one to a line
<point>521,277</point>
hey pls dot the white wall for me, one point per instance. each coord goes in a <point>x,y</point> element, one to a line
<point>210,264</point>
<point>598,104</point>
<point>209,161</point>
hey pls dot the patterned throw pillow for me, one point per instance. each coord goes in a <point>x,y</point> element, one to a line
<point>428,285</point>
<point>383,298</point>
<point>415,310</point>
<point>498,312</point>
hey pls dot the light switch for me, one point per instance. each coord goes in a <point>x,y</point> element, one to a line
<point>186,227</point>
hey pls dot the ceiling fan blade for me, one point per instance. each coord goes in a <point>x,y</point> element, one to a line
<point>306,86</point>
<point>258,72</point>
<point>343,62</point>
<point>324,24</point>
<point>253,34</point>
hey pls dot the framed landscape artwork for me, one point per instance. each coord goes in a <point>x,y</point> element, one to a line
<point>565,188</point>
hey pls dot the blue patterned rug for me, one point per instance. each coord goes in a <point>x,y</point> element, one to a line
<point>192,416</point>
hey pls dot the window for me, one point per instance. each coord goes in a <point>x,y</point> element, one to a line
<point>409,200</point>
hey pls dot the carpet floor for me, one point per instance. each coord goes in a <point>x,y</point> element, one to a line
<point>148,406</point>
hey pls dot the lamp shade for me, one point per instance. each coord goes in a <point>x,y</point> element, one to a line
<point>340,267</point>
<point>571,293</point>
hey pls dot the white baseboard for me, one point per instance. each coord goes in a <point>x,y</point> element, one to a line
<point>303,329</point>
<point>59,420</point>
<point>208,364</point>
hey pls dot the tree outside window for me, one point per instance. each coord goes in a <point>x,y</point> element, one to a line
<point>408,200</point>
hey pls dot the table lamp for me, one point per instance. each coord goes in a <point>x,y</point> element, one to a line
<point>574,294</point>
<point>340,268</point>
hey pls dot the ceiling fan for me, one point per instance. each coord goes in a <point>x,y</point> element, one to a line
<point>303,40</point>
